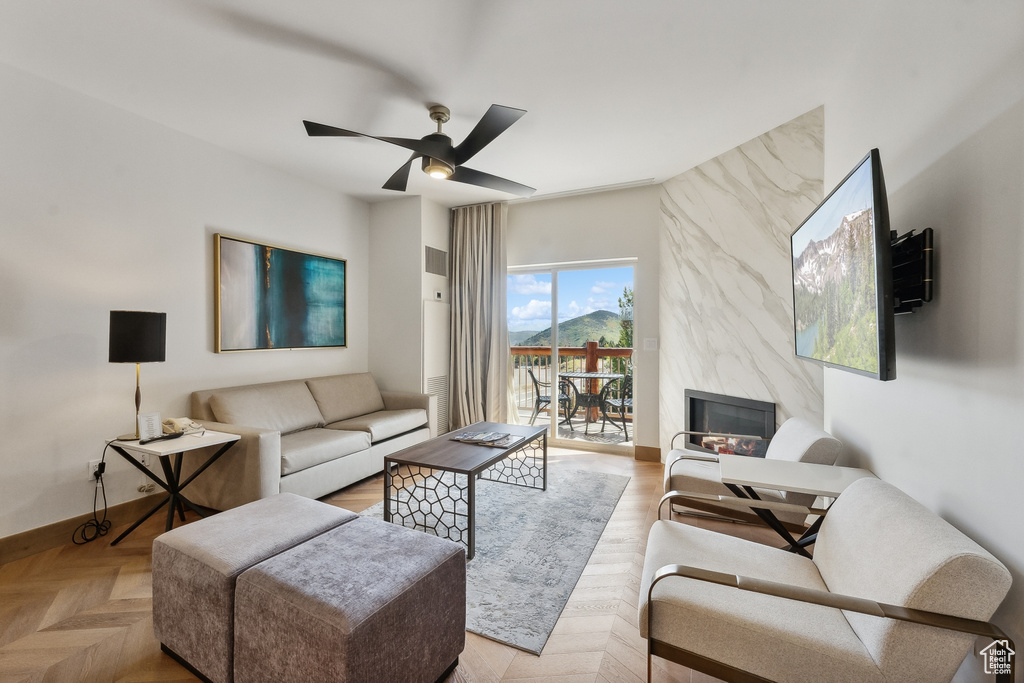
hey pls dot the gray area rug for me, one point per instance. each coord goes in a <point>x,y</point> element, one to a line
<point>531,548</point>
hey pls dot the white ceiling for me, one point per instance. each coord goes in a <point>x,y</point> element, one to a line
<point>616,92</point>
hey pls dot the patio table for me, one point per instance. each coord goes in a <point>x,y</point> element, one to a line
<point>591,393</point>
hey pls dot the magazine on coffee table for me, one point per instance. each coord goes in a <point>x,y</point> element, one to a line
<point>492,439</point>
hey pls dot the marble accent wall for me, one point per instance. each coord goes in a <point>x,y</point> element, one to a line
<point>726,303</point>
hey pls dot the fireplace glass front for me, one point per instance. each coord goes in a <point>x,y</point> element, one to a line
<point>707,412</point>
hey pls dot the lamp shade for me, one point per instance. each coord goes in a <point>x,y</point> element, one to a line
<point>137,337</point>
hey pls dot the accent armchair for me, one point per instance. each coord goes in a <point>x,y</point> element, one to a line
<point>697,472</point>
<point>893,593</point>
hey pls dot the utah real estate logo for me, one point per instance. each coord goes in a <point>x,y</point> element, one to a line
<point>998,657</point>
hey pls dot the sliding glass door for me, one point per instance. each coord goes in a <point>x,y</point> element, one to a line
<point>581,314</point>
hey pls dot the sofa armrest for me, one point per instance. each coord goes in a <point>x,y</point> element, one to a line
<point>400,400</point>
<point>248,471</point>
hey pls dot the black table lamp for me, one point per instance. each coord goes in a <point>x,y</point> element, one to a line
<point>137,337</point>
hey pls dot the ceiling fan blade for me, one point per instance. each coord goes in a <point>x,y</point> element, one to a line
<point>319,129</point>
<point>495,121</point>
<point>471,177</point>
<point>400,179</point>
<point>426,148</point>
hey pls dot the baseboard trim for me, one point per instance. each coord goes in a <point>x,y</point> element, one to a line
<point>647,453</point>
<point>59,533</point>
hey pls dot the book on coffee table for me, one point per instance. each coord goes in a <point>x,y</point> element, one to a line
<point>493,439</point>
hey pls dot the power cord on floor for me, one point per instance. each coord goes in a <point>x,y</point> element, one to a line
<point>95,527</point>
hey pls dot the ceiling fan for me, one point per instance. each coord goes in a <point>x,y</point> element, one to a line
<point>440,158</point>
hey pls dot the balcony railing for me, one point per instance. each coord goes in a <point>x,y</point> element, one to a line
<point>589,358</point>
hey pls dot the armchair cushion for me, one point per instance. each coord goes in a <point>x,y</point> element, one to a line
<point>798,439</point>
<point>879,543</point>
<point>778,639</point>
<point>343,396</point>
<point>282,406</point>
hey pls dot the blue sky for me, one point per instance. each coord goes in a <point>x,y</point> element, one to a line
<point>579,292</point>
<point>852,196</point>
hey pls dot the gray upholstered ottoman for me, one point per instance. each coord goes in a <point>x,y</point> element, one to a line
<point>195,568</point>
<point>367,601</point>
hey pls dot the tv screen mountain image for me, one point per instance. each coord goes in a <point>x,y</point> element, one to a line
<point>834,289</point>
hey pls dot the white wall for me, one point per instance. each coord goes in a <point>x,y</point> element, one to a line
<point>101,210</point>
<point>727,278</point>
<point>399,286</point>
<point>436,232</point>
<point>396,264</point>
<point>948,429</point>
<point>618,224</point>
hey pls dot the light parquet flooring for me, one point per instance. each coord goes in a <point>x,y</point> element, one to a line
<point>84,613</point>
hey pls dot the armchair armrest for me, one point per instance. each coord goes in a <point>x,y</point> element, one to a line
<point>834,600</point>
<point>400,400</point>
<point>248,471</point>
<point>735,503</point>
<point>686,432</point>
<point>681,455</point>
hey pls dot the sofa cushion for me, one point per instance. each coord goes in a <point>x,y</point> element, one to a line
<point>343,396</point>
<point>763,634</point>
<point>310,447</point>
<point>385,424</point>
<point>286,407</point>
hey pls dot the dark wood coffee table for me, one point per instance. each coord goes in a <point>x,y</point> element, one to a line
<point>432,486</point>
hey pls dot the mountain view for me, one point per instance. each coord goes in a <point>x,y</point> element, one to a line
<point>834,296</point>
<point>577,331</point>
<point>517,337</point>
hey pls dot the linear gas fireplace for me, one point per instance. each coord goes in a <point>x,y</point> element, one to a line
<point>731,415</point>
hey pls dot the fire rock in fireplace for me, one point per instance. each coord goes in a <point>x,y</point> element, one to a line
<point>707,412</point>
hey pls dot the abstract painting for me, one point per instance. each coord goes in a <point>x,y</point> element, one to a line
<point>273,298</point>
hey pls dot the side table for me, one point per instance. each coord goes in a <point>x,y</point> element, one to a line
<point>165,450</point>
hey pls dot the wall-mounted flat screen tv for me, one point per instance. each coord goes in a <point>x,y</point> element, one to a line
<point>842,277</point>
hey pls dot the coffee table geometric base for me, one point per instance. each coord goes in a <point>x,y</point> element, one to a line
<point>439,497</point>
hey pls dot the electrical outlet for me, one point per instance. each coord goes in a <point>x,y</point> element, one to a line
<point>144,459</point>
<point>93,464</point>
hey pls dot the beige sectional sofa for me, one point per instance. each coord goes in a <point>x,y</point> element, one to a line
<point>310,437</point>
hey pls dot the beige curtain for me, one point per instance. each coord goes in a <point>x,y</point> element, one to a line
<point>479,365</point>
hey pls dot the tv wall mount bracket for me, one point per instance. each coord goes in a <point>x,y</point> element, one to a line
<point>912,270</point>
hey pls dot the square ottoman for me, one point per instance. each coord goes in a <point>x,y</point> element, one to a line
<point>366,601</point>
<point>195,568</point>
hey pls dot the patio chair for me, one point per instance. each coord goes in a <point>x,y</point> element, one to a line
<point>617,397</point>
<point>542,401</point>
<point>698,472</point>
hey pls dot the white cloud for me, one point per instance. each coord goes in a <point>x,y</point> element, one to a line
<point>573,310</point>
<point>528,284</point>
<point>535,310</point>
<point>603,287</point>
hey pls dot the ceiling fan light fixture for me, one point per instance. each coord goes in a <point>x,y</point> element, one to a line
<point>436,168</point>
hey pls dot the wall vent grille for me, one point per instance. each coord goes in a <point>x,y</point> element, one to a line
<point>438,386</point>
<point>437,262</point>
